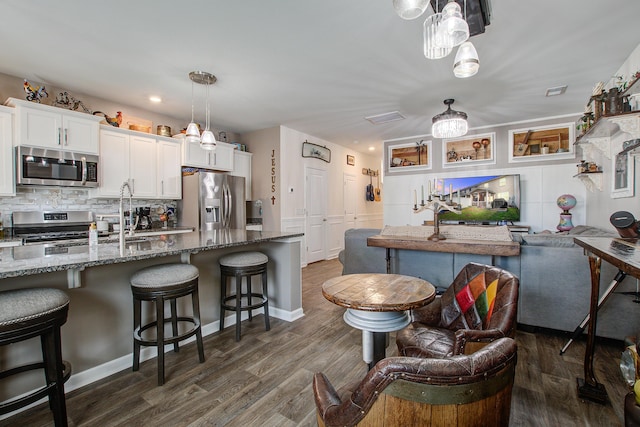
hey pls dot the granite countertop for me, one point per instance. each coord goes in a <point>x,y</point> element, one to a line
<point>44,258</point>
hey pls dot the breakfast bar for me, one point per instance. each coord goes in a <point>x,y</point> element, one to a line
<point>97,336</point>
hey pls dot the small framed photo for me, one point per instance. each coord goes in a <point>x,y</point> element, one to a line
<point>351,160</point>
<point>542,143</point>
<point>409,156</point>
<point>316,151</point>
<point>623,177</point>
<point>474,149</point>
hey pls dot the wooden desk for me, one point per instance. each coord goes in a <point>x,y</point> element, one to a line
<point>625,255</point>
<point>377,304</point>
<point>480,247</point>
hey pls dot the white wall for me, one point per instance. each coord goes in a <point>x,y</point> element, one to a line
<point>289,211</point>
<point>540,187</point>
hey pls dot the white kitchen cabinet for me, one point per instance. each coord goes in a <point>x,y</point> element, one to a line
<point>220,159</point>
<point>242,167</point>
<point>44,126</point>
<point>7,184</point>
<point>127,156</point>
<point>169,170</point>
<point>143,166</point>
<point>113,168</point>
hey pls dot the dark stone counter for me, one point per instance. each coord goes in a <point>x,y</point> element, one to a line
<point>44,258</point>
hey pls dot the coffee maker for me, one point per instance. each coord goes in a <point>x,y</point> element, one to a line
<point>144,218</point>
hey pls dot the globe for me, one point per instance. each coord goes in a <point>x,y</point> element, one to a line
<point>566,202</point>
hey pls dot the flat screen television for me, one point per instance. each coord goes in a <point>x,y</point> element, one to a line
<point>489,199</point>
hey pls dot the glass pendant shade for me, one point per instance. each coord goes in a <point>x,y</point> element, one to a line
<point>193,133</point>
<point>453,30</point>
<point>208,141</point>
<point>410,9</point>
<point>430,30</point>
<point>466,63</point>
<point>449,124</point>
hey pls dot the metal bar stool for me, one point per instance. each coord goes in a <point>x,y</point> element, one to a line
<point>239,265</point>
<point>28,313</point>
<point>158,284</point>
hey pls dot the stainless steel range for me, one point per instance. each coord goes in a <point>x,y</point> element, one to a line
<point>39,227</point>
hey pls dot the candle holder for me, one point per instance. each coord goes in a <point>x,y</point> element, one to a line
<point>436,206</point>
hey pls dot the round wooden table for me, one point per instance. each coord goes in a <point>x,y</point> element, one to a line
<point>377,304</point>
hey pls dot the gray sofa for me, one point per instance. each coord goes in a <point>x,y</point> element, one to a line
<point>554,275</point>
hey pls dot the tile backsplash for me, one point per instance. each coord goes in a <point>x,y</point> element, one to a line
<point>65,199</point>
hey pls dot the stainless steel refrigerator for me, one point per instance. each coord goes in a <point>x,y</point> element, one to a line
<point>212,201</point>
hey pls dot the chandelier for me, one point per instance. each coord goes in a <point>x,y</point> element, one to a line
<point>449,124</point>
<point>442,32</point>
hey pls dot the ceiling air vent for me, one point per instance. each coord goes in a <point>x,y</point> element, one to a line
<point>385,117</point>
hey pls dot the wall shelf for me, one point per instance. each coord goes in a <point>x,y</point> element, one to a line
<point>599,136</point>
<point>591,180</point>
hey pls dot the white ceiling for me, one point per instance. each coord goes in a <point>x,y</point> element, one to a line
<point>320,66</point>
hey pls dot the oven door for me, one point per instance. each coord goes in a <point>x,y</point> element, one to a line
<point>38,166</point>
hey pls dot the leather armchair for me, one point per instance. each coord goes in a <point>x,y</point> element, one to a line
<point>478,307</point>
<point>463,390</point>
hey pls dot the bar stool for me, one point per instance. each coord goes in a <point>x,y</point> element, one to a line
<point>28,313</point>
<point>158,284</point>
<point>247,265</point>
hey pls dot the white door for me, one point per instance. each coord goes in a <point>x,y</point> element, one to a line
<point>316,202</point>
<point>350,198</point>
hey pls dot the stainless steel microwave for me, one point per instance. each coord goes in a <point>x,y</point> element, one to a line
<point>41,166</point>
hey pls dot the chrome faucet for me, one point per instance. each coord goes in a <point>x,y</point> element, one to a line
<point>121,216</point>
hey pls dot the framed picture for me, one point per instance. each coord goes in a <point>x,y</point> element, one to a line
<point>473,149</point>
<point>351,160</point>
<point>624,175</point>
<point>409,156</point>
<point>316,151</point>
<point>542,143</point>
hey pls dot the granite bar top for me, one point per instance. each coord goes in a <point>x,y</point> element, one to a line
<point>45,258</point>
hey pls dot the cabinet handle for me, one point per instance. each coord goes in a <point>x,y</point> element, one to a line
<point>133,185</point>
<point>162,187</point>
<point>66,138</point>
<point>59,136</point>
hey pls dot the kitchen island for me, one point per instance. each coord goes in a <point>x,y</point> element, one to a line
<point>97,338</point>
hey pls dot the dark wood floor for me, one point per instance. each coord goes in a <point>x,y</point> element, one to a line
<point>265,379</point>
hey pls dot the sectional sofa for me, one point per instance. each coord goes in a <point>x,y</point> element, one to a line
<point>554,275</point>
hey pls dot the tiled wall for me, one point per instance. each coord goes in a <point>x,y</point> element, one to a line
<point>66,199</point>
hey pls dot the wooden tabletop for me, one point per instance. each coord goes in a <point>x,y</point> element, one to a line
<point>622,253</point>
<point>481,247</point>
<point>378,292</point>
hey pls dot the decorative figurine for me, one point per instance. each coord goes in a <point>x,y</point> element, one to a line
<point>64,100</point>
<point>34,94</point>
<point>113,121</point>
<point>566,202</point>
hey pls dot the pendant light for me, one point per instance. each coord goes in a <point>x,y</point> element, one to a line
<point>449,124</point>
<point>410,9</point>
<point>453,30</point>
<point>466,63</point>
<point>208,140</point>
<point>430,30</point>
<point>193,131</point>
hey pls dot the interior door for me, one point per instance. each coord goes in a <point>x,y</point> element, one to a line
<point>316,207</point>
<point>349,197</point>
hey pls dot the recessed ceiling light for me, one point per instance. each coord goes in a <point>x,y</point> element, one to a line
<point>385,117</point>
<point>155,99</point>
<point>555,91</point>
<point>372,148</point>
